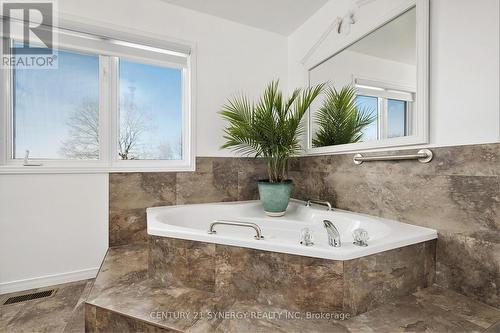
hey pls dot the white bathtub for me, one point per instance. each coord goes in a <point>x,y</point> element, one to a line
<point>282,234</point>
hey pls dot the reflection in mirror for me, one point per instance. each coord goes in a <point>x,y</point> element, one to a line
<point>373,87</point>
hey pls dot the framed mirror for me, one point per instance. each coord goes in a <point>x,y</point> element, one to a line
<point>379,88</point>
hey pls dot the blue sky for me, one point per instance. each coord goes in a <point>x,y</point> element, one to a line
<point>45,99</point>
<point>370,104</point>
<point>158,95</point>
<point>395,117</point>
<point>396,121</point>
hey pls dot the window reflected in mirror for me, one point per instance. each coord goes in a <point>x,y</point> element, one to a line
<point>381,71</point>
<point>369,103</point>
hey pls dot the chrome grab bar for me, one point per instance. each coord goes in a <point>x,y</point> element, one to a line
<point>319,202</point>
<point>423,156</point>
<point>254,226</point>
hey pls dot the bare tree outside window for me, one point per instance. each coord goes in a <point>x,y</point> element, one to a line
<point>84,131</point>
<point>132,125</point>
<point>55,111</point>
<point>149,116</point>
<point>83,142</point>
<point>167,151</point>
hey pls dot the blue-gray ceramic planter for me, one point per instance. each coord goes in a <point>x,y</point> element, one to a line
<point>275,196</point>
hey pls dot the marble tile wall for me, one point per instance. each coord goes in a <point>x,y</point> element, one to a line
<point>458,194</point>
<point>290,281</point>
<point>247,274</point>
<point>380,278</point>
<point>295,282</point>
<point>215,180</point>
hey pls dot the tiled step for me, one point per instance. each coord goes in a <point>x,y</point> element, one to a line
<point>124,299</point>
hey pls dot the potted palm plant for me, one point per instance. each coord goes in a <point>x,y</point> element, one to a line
<point>340,120</point>
<point>270,129</point>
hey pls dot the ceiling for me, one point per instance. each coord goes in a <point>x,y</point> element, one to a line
<point>280,16</point>
<point>394,41</point>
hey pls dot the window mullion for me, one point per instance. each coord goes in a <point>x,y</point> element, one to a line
<point>8,117</point>
<point>113,110</point>
<point>5,116</point>
<point>408,118</point>
<point>382,120</point>
<point>104,109</point>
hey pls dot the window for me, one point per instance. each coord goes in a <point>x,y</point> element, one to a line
<point>150,112</point>
<point>110,105</point>
<point>56,112</point>
<point>391,108</point>
<point>369,105</point>
<point>397,118</point>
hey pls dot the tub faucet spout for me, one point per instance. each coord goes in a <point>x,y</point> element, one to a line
<point>333,234</point>
<point>319,202</point>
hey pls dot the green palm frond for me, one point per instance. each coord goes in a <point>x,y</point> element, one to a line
<point>339,119</point>
<point>270,127</point>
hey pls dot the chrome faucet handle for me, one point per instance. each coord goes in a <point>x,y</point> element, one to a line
<point>360,237</point>
<point>306,237</point>
<point>319,202</point>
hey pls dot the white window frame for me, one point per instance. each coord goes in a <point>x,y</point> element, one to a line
<point>384,92</point>
<point>92,41</point>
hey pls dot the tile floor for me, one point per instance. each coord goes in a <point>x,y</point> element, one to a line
<point>62,312</point>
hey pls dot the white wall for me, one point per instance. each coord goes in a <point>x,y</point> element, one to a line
<point>340,70</point>
<point>53,228</point>
<point>464,63</point>
<point>465,59</point>
<point>56,225</point>
<point>231,57</point>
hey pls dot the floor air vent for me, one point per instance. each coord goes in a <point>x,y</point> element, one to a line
<point>29,297</point>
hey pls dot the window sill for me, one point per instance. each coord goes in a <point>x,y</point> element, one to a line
<point>14,170</point>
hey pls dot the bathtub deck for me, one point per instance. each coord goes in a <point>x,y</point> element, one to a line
<point>123,298</point>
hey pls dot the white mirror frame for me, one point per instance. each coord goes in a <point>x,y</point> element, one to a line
<point>421,119</point>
